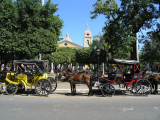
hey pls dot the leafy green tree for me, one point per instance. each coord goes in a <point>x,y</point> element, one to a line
<point>63,56</point>
<point>71,52</point>
<point>39,28</point>
<point>124,22</point>
<point>8,29</point>
<point>83,56</point>
<point>89,55</point>
<point>27,28</point>
<point>150,53</point>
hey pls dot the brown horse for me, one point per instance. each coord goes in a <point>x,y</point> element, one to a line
<point>77,78</point>
<point>154,78</point>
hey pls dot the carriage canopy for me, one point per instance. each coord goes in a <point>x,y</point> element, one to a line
<point>42,65</point>
<point>134,63</point>
<point>125,62</point>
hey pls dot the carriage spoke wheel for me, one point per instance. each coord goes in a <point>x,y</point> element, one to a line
<point>53,84</point>
<point>143,87</point>
<point>107,90</point>
<point>11,89</point>
<point>43,87</point>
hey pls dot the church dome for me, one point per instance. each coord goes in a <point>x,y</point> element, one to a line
<point>87,32</point>
<point>67,38</point>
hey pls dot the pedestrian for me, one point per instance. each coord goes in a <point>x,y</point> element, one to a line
<point>2,67</point>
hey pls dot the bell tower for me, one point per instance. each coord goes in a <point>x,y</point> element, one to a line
<point>87,38</point>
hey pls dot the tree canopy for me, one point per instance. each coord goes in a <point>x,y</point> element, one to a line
<point>150,53</point>
<point>63,56</point>
<point>27,28</point>
<point>124,21</point>
<point>89,55</point>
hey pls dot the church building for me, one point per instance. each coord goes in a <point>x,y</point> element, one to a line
<point>67,42</point>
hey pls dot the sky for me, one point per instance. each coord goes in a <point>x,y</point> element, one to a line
<point>76,15</point>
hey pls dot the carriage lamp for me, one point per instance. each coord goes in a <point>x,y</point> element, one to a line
<point>98,53</point>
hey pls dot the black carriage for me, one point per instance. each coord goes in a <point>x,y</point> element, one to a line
<point>129,75</point>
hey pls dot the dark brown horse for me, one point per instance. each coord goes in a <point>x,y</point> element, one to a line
<point>154,78</point>
<point>77,78</point>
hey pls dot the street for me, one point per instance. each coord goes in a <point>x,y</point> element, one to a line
<point>80,107</point>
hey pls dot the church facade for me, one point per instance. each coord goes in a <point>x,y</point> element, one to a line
<point>67,42</point>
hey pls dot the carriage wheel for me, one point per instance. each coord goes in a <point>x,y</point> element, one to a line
<point>43,87</point>
<point>143,87</point>
<point>53,84</point>
<point>11,89</point>
<point>107,90</point>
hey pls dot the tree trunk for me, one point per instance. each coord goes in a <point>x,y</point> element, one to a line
<point>134,51</point>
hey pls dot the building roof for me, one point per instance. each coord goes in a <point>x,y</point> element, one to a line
<point>87,32</point>
<point>67,38</point>
<point>69,44</point>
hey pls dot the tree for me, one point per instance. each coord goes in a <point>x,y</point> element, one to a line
<point>89,55</point>
<point>28,28</point>
<point>8,27</point>
<point>39,27</point>
<point>63,56</point>
<point>151,49</point>
<point>124,22</point>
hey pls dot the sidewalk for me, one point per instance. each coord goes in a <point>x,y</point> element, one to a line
<point>83,88</point>
<point>65,87</point>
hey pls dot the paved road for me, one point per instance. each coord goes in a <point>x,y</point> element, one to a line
<point>61,105</point>
<point>80,107</point>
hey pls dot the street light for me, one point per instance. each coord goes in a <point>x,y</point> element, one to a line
<point>98,53</point>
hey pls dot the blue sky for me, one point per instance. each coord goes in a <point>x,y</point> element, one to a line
<point>76,15</point>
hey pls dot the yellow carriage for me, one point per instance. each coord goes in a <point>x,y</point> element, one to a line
<point>29,74</point>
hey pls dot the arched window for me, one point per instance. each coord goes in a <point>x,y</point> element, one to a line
<point>87,42</point>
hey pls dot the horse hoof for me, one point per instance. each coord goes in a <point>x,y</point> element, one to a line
<point>73,94</point>
<point>90,94</point>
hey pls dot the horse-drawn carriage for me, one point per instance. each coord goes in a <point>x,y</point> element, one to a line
<point>129,75</point>
<point>28,74</point>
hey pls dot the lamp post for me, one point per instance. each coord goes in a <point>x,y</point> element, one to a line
<point>98,53</point>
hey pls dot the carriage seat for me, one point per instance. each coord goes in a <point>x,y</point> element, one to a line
<point>137,76</point>
<point>25,76</point>
<point>119,76</point>
<point>29,76</point>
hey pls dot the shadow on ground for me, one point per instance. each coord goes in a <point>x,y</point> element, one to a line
<point>95,92</point>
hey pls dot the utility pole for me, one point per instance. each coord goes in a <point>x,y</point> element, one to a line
<point>42,2</point>
<point>137,47</point>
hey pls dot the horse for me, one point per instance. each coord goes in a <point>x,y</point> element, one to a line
<point>77,78</point>
<point>154,78</point>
